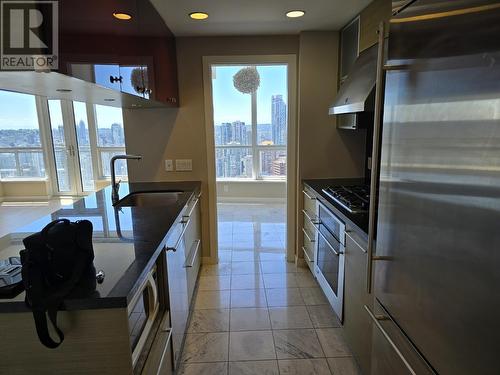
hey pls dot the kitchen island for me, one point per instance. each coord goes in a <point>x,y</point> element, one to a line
<point>130,243</point>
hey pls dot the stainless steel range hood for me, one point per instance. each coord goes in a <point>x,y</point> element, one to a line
<point>358,91</point>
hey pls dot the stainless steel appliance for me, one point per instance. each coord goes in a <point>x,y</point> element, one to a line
<point>354,102</point>
<point>437,260</point>
<point>354,198</point>
<point>329,267</point>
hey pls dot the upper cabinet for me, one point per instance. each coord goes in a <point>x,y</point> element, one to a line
<point>349,47</point>
<point>135,56</point>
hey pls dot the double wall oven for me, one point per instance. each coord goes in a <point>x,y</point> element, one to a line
<point>329,267</point>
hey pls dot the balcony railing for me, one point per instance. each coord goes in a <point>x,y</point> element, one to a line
<point>22,162</point>
<point>258,162</point>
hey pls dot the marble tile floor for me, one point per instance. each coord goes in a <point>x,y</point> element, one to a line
<point>256,314</point>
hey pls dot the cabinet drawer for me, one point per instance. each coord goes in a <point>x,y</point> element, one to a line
<point>309,258</point>
<point>193,263</point>
<point>193,232</point>
<point>159,360</point>
<point>310,201</point>
<point>356,260</point>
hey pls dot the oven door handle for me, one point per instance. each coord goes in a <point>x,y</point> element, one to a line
<point>337,253</point>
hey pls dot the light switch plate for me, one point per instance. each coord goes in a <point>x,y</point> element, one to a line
<point>169,165</point>
<point>184,165</point>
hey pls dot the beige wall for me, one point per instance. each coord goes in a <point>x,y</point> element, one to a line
<point>251,190</point>
<point>159,134</point>
<point>324,151</point>
<point>37,189</point>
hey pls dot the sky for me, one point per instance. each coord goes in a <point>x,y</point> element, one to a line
<point>231,105</point>
<point>18,111</point>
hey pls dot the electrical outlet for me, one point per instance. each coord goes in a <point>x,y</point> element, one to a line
<point>184,165</point>
<point>169,165</point>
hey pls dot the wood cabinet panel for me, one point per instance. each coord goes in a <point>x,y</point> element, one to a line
<point>357,324</point>
<point>370,17</point>
<point>96,342</point>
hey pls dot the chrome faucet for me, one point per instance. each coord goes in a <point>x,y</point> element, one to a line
<point>115,186</point>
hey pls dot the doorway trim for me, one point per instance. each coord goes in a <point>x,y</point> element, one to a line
<point>291,189</point>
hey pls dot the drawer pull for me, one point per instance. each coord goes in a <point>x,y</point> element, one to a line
<point>192,208</point>
<point>177,243</point>
<point>312,219</point>
<point>356,242</point>
<point>308,236</point>
<point>195,254</point>
<point>306,254</point>
<point>308,196</point>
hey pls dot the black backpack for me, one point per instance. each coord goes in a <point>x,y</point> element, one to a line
<point>56,261</point>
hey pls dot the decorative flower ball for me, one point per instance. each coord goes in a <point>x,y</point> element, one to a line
<point>247,80</point>
<point>139,80</point>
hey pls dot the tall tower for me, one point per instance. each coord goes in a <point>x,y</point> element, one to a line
<point>278,119</point>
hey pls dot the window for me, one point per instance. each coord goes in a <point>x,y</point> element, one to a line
<point>83,144</point>
<point>250,129</point>
<point>21,154</point>
<point>110,139</point>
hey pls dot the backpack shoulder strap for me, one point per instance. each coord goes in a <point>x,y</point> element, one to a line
<point>42,327</point>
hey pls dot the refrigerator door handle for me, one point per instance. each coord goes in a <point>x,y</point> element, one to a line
<point>376,320</point>
<point>377,124</point>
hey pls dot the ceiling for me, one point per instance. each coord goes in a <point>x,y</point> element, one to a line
<point>256,17</point>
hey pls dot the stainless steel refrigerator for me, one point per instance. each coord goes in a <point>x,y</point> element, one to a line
<point>436,263</point>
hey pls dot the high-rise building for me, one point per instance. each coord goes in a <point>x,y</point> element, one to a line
<point>117,135</point>
<point>279,166</point>
<point>278,119</point>
<point>226,133</point>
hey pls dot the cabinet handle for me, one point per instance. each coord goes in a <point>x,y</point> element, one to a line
<point>307,235</point>
<point>376,320</point>
<point>306,254</point>
<point>192,208</point>
<point>314,221</point>
<point>308,196</point>
<point>379,97</point>
<point>191,263</point>
<point>174,248</point>
<point>356,242</point>
<point>164,352</point>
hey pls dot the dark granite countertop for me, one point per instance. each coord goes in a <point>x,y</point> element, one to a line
<point>126,242</point>
<point>359,221</point>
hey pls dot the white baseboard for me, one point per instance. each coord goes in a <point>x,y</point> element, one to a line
<point>250,200</point>
<point>26,198</point>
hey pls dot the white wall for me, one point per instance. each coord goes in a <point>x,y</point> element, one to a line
<point>251,191</point>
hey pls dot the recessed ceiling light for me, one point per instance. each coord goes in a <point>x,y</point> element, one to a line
<point>198,15</point>
<point>109,100</point>
<point>122,16</point>
<point>295,13</point>
<point>64,90</point>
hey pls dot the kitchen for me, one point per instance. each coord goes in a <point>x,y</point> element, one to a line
<point>391,191</point>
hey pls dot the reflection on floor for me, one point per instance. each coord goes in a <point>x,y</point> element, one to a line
<point>14,215</point>
<point>255,313</point>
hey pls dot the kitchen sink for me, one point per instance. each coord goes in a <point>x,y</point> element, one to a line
<point>150,199</point>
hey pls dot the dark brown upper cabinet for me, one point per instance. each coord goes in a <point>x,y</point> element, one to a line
<point>135,56</point>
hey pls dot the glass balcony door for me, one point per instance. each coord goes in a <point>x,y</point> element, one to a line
<point>69,138</point>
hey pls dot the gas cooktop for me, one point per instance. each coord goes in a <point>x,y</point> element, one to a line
<point>354,198</point>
